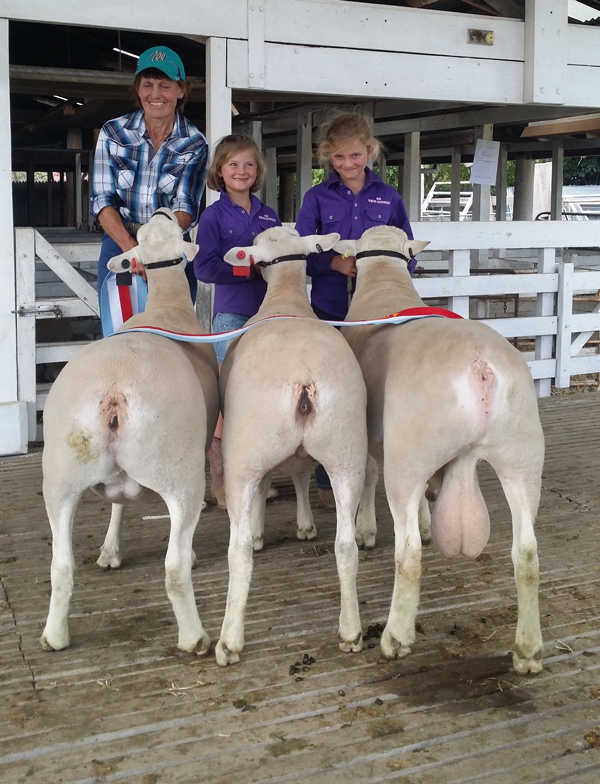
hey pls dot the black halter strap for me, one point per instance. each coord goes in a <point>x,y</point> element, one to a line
<point>166,263</point>
<point>291,257</point>
<point>394,254</point>
<point>164,215</point>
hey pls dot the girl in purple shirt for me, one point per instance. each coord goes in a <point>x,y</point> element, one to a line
<point>350,201</point>
<point>237,170</point>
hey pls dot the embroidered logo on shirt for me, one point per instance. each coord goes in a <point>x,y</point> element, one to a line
<point>267,218</point>
<point>378,201</point>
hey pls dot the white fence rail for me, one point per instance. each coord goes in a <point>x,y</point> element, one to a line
<point>558,334</point>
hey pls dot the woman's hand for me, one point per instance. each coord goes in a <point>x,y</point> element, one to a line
<point>346,265</point>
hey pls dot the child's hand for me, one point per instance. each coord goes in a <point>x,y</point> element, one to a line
<point>346,265</point>
<point>139,269</point>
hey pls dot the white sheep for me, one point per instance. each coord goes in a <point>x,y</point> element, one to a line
<point>130,413</point>
<point>292,394</point>
<point>443,394</point>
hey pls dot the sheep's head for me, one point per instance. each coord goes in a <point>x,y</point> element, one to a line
<point>382,238</point>
<point>160,239</point>
<point>275,243</point>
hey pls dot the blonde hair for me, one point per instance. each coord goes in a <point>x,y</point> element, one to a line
<point>225,149</point>
<point>342,128</point>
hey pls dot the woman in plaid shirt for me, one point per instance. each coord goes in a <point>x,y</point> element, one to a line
<point>147,159</point>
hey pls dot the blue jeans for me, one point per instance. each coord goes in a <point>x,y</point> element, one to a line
<point>224,322</point>
<point>110,248</point>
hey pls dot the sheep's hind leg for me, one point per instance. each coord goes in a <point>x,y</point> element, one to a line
<point>522,494</point>
<point>305,526</point>
<point>178,574</point>
<point>257,519</point>
<point>347,493</point>
<point>231,642</point>
<point>110,552</point>
<point>366,524</point>
<point>399,633</point>
<point>61,512</point>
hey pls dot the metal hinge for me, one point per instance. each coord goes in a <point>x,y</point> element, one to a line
<point>41,310</point>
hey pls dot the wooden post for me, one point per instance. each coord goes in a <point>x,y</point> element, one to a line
<point>303,158</point>
<point>287,197</point>
<point>271,179</point>
<point>482,200</point>
<point>524,177</point>
<point>13,414</point>
<point>411,187</point>
<point>218,98</point>
<point>455,185</point>
<point>558,160</point>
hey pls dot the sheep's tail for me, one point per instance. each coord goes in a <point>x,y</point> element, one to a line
<point>113,409</point>
<point>305,395</point>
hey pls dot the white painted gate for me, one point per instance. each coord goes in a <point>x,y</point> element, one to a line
<point>30,246</point>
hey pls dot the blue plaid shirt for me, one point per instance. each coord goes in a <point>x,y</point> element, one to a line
<point>136,183</point>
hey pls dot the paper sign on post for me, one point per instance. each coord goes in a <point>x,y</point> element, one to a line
<point>485,162</point>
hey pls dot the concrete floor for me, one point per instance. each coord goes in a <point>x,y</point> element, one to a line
<point>122,704</point>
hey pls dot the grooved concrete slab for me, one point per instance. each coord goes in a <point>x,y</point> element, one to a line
<point>122,704</point>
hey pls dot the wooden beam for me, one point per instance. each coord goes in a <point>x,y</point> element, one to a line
<point>566,127</point>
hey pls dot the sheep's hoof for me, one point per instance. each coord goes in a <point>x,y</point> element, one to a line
<point>528,665</point>
<point>352,646</point>
<point>54,645</point>
<point>258,544</point>
<point>199,646</point>
<point>202,646</point>
<point>392,648</point>
<point>366,541</point>
<point>109,560</point>
<point>225,656</point>
<point>306,533</point>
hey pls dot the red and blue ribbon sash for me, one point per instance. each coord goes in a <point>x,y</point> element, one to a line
<point>410,314</point>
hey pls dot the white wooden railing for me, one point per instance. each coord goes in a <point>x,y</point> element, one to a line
<point>559,334</point>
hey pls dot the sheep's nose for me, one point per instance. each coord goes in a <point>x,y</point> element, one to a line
<point>125,264</point>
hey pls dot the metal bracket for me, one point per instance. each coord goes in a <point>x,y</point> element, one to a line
<point>485,37</point>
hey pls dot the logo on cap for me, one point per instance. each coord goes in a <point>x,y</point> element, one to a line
<point>158,57</point>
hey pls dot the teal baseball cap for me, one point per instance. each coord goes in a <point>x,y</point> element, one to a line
<point>165,60</point>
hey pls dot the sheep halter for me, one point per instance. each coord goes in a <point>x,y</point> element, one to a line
<point>245,271</point>
<point>410,260</point>
<point>166,263</point>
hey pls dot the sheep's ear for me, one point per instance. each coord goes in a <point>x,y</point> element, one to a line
<point>416,246</point>
<point>317,243</point>
<point>346,246</point>
<point>134,255</point>
<point>187,249</point>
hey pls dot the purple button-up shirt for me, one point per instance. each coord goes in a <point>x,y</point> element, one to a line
<point>223,226</point>
<point>332,207</point>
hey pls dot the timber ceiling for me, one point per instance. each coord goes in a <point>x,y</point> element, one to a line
<point>68,80</point>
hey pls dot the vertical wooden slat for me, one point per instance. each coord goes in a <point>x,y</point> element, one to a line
<point>544,306</point>
<point>565,313</point>
<point>458,266</point>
